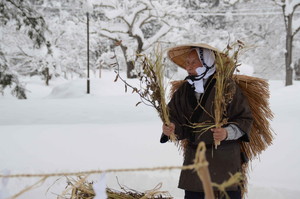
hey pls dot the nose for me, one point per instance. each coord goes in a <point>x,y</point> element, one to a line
<point>188,67</point>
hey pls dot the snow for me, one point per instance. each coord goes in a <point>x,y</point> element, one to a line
<point>133,12</point>
<point>87,6</point>
<point>162,31</point>
<point>245,69</point>
<point>290,6</point>
<point>62,129</point>
<point>296,26</point>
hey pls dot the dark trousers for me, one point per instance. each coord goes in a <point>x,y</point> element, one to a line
<point>200,195</point>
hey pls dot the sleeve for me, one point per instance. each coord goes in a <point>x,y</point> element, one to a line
<point>239,114</point>
<point>234,132</point>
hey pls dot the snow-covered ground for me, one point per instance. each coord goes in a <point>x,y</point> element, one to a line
<point>62,129</point>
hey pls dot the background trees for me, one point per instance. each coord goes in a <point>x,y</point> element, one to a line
<point>48,38</point>
<point>18,15</point>
<point>292,27</point>
<point>138,25</point>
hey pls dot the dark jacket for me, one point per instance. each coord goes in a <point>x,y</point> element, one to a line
<point>224,160</point>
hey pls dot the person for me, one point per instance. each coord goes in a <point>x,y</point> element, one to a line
<point>193,102</point>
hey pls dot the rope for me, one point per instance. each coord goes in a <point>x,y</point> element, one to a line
<point>200,166</point>
<point>198,163</point>
<point>187,167</point>
<point>234,179</point>
<point>41,181</point>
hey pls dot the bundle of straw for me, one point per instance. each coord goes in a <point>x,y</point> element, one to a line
<point>81,189</point>
<point>152,89</point>
<point>153,68</point>
<point>261,136</point>
<point>78,188</point>
<point>225,66</point>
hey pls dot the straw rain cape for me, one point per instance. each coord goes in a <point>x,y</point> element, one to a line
<point>261,135</point>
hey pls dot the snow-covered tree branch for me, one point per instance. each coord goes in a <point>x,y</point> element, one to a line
<point>26,16</point>
<point>126,22</point>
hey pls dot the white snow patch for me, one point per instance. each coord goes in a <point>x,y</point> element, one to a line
<point>62,129</point>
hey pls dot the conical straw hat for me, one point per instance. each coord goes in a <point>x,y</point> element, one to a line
<point>179,53</point>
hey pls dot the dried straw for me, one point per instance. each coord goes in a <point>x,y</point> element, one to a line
<point>156,65</point>
<point>152,89</point>
<point>35,185</point>
<point>257,92</point>
<point>233,180</point>
<point>82,189</point>
<point>261,136</point>
<point>203,172</point>
<point>225,66</point>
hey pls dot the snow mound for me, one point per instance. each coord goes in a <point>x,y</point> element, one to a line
<point>73,89</point>
<point>104,86</point>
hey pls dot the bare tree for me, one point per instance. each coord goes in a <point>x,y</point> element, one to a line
<point>297,70</point>
<point>292,27</point>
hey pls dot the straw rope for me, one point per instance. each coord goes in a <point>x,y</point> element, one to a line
<point>200,166</point>
<point>234,179</point>
<point>91,172</point>
<point>41,181</point>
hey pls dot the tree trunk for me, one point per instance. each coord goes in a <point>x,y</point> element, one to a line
<point>129,64</point>
<point>130,68</point>
<point>288,53</point>
<point>47,75</point>
<point>297,70</point>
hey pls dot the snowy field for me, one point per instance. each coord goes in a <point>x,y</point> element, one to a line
<point>61,129</point>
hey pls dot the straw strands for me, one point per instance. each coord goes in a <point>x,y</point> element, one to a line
<point>83,189</point>
<point>257,92</point>
<point>152,88</point>
<point>225,66</point>
<point>261,136</point>
<point>153,76</point>
<point>234,179</point>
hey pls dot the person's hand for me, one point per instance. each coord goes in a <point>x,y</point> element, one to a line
<point>219,134</point>
<point>168,129</point>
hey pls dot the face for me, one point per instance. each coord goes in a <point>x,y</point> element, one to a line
<point>192,62</point>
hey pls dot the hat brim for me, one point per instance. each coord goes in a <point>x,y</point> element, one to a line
<point>179,53</point>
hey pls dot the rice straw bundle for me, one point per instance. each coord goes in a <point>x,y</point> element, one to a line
<point>152,90</point>
<point>225,66</point>
<point>81,189</point>
<point>257,92</point>
<point>261,135</point>
<point>153,75</point>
